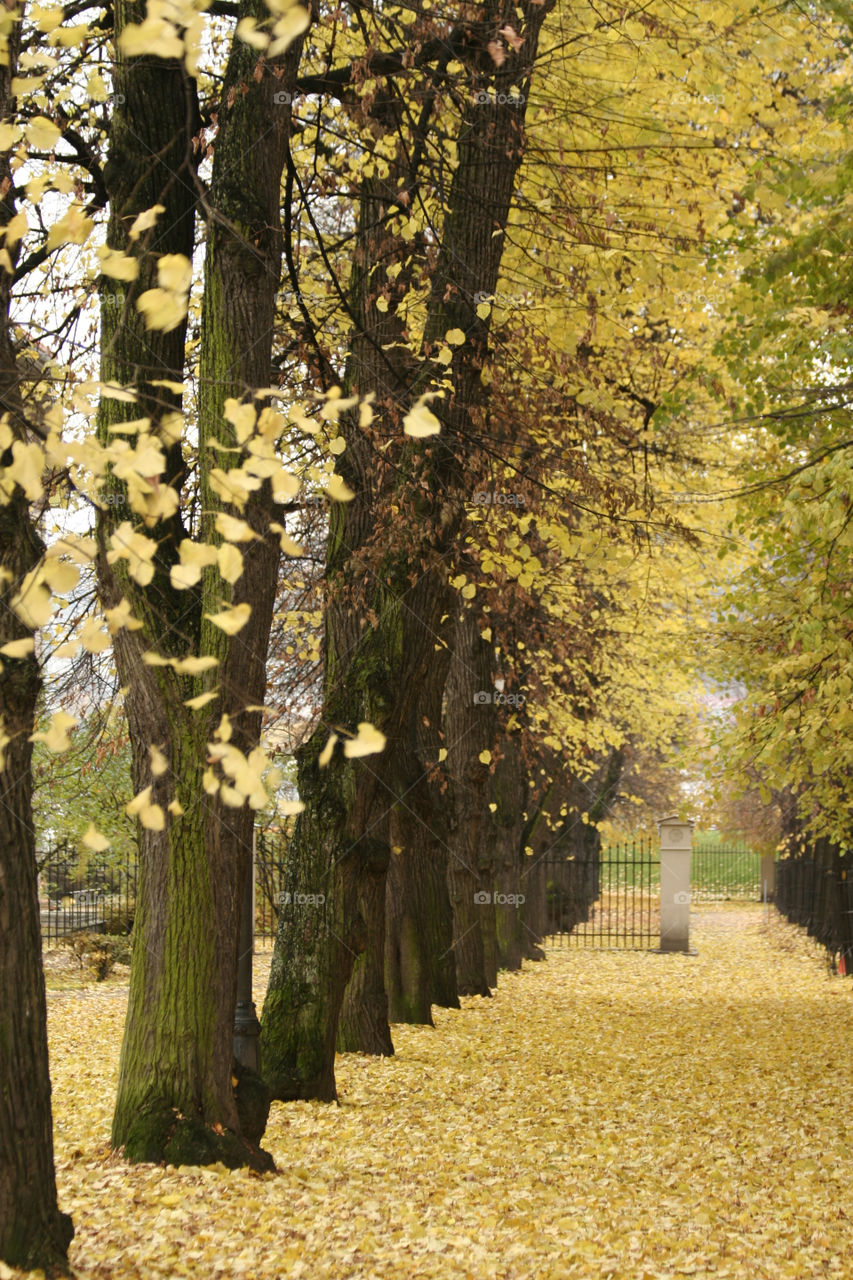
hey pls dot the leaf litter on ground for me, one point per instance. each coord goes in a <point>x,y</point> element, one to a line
<point>606,1114</point>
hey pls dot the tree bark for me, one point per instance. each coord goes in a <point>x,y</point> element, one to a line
<point>508,791</point>
<point>470,729</point>
<point>382,624</point>
<point>176,1100</point>
<point>33,1231</point>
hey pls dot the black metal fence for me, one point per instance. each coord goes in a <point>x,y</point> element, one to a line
<point>96,893</point>
<point>611,898</point>
<point>725,872</point>
<point>814,889</point>
<point>90,892</point>
<point>270,849</point>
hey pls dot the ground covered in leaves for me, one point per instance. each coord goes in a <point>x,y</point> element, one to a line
<point>606,1114</point>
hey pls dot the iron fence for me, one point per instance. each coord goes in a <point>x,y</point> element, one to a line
<point>725,872</point>
<point>814,889</point>
<point>270,852</point>
<point>97,893</point>
<point>611,898</point>
<point>91,892</point>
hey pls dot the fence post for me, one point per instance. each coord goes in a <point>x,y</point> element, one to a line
<point>676,842</point>
<point>247,1029</point>
<point>768,876</point>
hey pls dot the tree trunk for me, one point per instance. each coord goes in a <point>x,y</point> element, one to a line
<point>363,1025</point>
<point>470,729</point>
<point>419,965</point>
<point>384,619</point>
<point>508,791</point>
<point>33,1232</point>
<point>176,1100</point>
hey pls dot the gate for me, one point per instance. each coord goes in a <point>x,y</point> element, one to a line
<point>609,899</point>
<point>724,873</point>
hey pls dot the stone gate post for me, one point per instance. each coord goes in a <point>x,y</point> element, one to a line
<point>676,842</point>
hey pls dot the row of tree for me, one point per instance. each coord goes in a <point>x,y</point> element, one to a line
<point>455,280</point>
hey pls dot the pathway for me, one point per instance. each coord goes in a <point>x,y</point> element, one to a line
<point>633,1116</point>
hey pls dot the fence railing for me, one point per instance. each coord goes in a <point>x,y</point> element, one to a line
<point>609,898</point>
<point>814,889</point>
<point>98,895</point>
<point>725,872</point>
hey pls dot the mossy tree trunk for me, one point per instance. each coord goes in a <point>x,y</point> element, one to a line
<point>419,967</point>
<point>176,1099</point>
<point>509,783</point>
<point>384,619</point>
<point>330,931</point>
<point>470,725</point>
<point>33,1232</point>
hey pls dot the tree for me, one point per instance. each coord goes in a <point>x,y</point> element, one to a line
<point>33,1231</point>
<point>380,638</point>
<point>197,763</point>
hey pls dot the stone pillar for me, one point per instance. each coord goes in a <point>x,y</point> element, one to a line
<point>768,877</point>
<point>676,841</point>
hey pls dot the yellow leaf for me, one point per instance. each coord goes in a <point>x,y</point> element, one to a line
<point>485,757</point>
<point>367,742</point>
<point>56,738</point>
<point>455,337</point>
<point>200,700</point>
<point>18,648</point>
<point>94,840</point>
<point>195,666</point>
<point>293,22</point>
<point>338,490</point>
<point>326,754</point>
<point>150,815</point>
<point>233,529</point>
<point>117,265</point>
<point>420,422</point>
<point>230,562</point>
<point>246,30</point>
<point>144,221</point>
<point>16,228</point>
<point>159,763</point>
<point>33,603</point>
<point>92,638</point>
<point>162,309</point>
<point>175,272</point>
<point>121,616</point>
<point>155,37</point>
<point>73,228</point>
<point>231,620</point>
<point>242,418</point>
<point>127,544</point>
<point>42,133</point>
